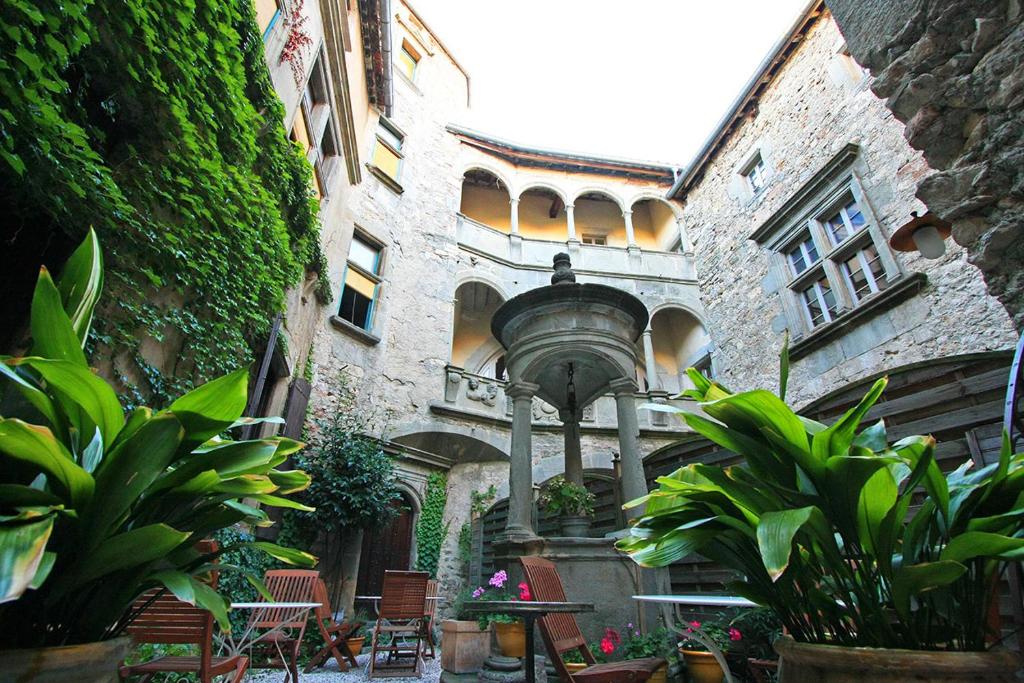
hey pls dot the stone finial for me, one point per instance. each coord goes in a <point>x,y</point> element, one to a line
<point>563,270</point>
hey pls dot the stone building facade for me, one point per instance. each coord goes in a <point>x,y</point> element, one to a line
<point>952,72</point>
<point>821,139</point>
<point>429,226</point>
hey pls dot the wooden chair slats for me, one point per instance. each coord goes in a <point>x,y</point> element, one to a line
<point>561,633</point>
<point>335,635</point>
<point>282,647</point>
<point>401,615</point>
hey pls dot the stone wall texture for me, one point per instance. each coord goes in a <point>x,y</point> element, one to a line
<point>952,71</point>
<point>816,105</point>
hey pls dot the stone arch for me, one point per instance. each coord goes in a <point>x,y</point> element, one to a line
<point>458,443</point>
<point>493,170</point>
<point>475,304</point>
<point>679,340</point>
<point>483,278</point>
<point>610,364</point>
<point>485,198</point>
<point>593,189</point>
<point>650,194</point>
<point>699,315</point>
<point>655,221</point>
<point>542,185</point>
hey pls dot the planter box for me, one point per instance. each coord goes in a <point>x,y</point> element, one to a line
<point>88,663</point>
<point>464,647</point>
<point>806,663</point>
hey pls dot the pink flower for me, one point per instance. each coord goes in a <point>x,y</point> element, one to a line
<point>734,634</point>
<point>524,591</point>
<point>695,624</point>
<point>478,592</point>
<point>499,579</point>
<point>607,646</point>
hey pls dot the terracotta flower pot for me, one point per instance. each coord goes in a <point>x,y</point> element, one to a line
<point>575,667</point>
<point>464,647</point>
<point>702,667</point>
<point>355,645</point>
<point>659,676</point>
<point>804,663</point>
<point>87,663</point>
<point>511,639</point>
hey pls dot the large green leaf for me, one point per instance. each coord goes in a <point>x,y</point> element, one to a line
<point>53,335</point>
<point>279,502</point>
<point>776,531</point>
<point>877,498</point>
<point>76,386</point>
<point>915,579</point>
<point>210,600</point>
<point>178,582</point>
<point>288,555</point>
<point>22,546</point>
<point>128,549</point>
<point>127,471</point>
<point>213,407</point>
<point>973,544</point>
<point>37,446</point>
<point>784,366</point>
<point>758,455</point>
<point>80,284</point>
<point>232,459</point>
<point>290,481</point>
<point>836,440</point>
<point>18,496</point>
<point>33,394</point>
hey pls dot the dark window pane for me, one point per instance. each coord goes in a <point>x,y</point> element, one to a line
<point>355,307</point>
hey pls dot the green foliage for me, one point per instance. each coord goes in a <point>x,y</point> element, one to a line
<point>144,652</point>
<point>815,521</point>
<point>97,506</point>
<point>656,643</point>
<point>157,124</point>
<point>234,585</point>
<point>466,544</point>
<point>561,497</point>
<point>480,501</point>
<point>431,528</point>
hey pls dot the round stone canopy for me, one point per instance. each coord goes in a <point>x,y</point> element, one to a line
<point>592,327</point>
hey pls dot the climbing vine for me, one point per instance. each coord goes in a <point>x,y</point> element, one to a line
<point>431,528</point>
<point>157,123</point>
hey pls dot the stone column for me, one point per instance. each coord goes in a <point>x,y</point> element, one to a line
<point>653,383</point>
<point>514,202</point>
<point>634,484</point>
<point>573,453</point>
<point>570,221</point>
<point>627,218</point>
<point>684,239</point>
<point>520,481</point>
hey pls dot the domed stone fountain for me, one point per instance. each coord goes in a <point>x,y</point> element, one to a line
<point>569,343</point>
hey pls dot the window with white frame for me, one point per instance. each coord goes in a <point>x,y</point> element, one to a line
<point>599,240</point>
<point>362,282</point>
<point>834,262</point>
<point>755,174</point>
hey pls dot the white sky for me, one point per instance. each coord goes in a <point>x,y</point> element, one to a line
<point>643,79</point>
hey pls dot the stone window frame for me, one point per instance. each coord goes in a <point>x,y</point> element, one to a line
<point>803,216</point>
<point>844,70</point>
<point>367,334</point>
<point>321,124</point>
<point>758,157</point>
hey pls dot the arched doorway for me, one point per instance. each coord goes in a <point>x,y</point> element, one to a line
<point>390,547</point>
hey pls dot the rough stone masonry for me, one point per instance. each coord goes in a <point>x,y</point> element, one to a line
<point>952,71</point>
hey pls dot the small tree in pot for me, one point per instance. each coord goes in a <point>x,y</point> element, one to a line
<point>572,503</point>
<point>96,506</point>
<point>816,522</point>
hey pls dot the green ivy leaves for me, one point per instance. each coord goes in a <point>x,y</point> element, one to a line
<point>431,528</point>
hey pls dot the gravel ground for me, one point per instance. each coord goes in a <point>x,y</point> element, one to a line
<point>329,673</point>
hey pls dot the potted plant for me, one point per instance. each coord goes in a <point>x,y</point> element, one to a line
<point>572,503</point>
<point>510,631</point>
<point>819,524</point>
<point>465,643</point>
<point>100,506</point>
<point>701,642</point>
<point>656,643</point>
<point>601,651</point>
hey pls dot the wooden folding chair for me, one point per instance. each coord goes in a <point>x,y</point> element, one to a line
<point>561,633</point>
<point>401,618</point>
<point>164,619</point>
<point>429,612</point>
<point>334,634</point>
<point>282,644</point>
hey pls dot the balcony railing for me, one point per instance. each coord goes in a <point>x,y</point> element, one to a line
<point>471,396</point>
<point>586,258</point>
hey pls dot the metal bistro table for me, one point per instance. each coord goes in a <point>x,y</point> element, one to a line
<point>529,611</point>
<point>702,601</point>
<point>287,612</point>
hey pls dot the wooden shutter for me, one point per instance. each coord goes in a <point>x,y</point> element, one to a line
<point>295,408</point>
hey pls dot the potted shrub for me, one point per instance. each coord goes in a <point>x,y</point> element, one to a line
<point>465,643</point>
<point>572,503</point>
<point>100,506</point>
<point>819,524</point>
<point>699,648</point>
<point>656,643</point>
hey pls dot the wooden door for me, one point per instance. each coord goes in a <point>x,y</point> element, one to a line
<point>383,549</point>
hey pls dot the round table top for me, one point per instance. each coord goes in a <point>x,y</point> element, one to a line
<point>527,606</point>
<point>699,600</point>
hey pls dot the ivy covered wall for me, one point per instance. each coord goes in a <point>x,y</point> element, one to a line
<point>156,123</point>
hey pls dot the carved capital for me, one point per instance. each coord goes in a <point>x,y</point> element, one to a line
<point>521,391</point>
<point>623,386</point>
